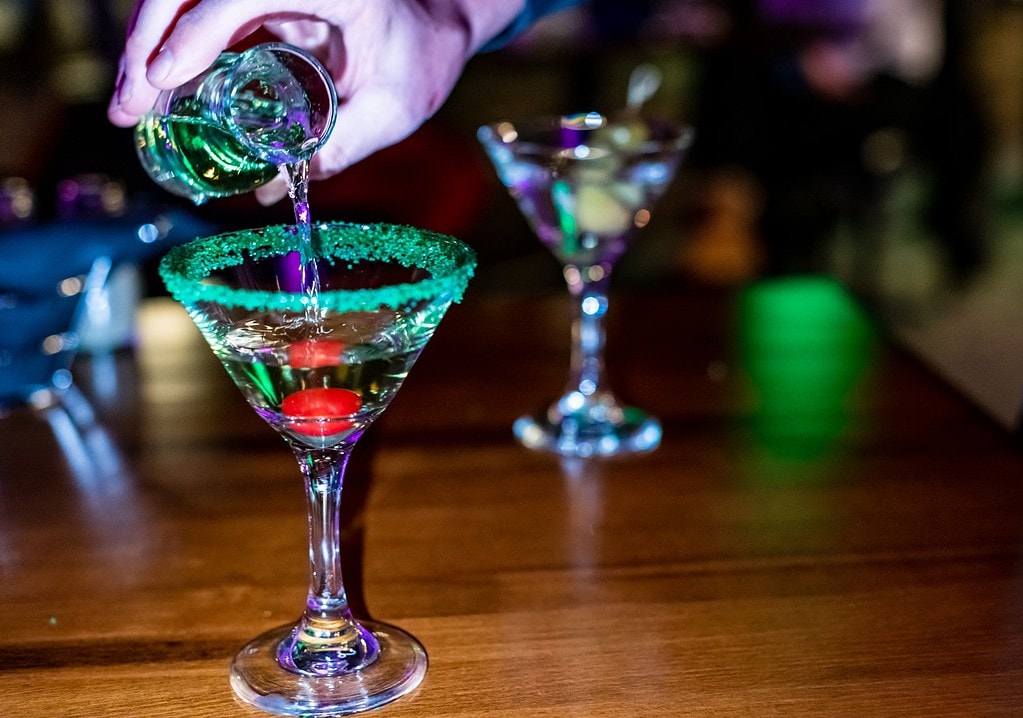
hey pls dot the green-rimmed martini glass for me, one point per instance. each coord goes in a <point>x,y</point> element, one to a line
<point>319,368</point>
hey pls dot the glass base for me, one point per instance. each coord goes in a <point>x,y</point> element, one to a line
<point>259,679</point>
<point>599,429</point>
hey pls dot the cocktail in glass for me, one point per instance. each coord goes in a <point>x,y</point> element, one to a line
<point>319,367</point>
<point>586,183</point>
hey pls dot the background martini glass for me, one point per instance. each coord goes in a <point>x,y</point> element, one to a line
<point>319,368</point>
<point>585,183</point>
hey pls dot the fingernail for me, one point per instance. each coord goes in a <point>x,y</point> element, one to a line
<point>160,67</point>
<point>121,90</point>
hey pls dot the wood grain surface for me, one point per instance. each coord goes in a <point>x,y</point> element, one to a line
<point>826,530</point>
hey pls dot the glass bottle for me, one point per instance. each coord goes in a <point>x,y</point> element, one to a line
<point>227,131</point>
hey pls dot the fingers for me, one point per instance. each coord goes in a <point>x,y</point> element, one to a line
<point>198,36</point>
<point>382,120</point>
<point>133,94</point>
<point>368,120</point>
<point>392,64</point>
<point>172,41</point>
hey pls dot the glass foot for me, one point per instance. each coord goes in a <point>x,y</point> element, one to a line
<point>259,679</point>
<point>592,427</point>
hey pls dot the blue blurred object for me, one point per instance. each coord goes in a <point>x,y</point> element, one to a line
<point>531,12</point>
<point>46,270</point>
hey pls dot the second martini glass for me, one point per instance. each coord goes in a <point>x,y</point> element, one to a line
<point>319,368</point>
<point>585,183</point>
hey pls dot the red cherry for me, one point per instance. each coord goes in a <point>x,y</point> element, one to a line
<point>321,403</point>
<point>312,353</point>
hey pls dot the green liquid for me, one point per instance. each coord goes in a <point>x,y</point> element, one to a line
<point>257,355</point>
<point>196,159</point>
<point>265,386</point>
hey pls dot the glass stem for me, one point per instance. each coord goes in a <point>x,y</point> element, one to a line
<point>587,359</point>
<point>327,641</point>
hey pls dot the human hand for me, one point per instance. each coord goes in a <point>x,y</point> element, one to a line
<point>394,62</point>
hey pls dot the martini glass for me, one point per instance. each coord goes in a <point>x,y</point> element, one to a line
<point>320,368</point>
<point>585,184</point>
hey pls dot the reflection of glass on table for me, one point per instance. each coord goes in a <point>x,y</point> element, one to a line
<point>37,337</point>
<point>56,284</point>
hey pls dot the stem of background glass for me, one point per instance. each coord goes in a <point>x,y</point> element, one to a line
<point>587,359</point>
<point>327,640</point>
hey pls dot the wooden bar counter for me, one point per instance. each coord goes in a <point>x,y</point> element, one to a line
<point>826,530</point>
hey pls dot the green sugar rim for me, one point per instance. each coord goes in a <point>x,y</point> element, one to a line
<point>450,262</point>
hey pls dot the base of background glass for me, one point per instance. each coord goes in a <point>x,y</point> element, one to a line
<point>574,435</point>
<point>258,679</point>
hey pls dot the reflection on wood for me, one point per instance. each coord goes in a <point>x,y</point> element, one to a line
<point>864,561</point>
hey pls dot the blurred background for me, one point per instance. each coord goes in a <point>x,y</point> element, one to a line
<point>879,142</point>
